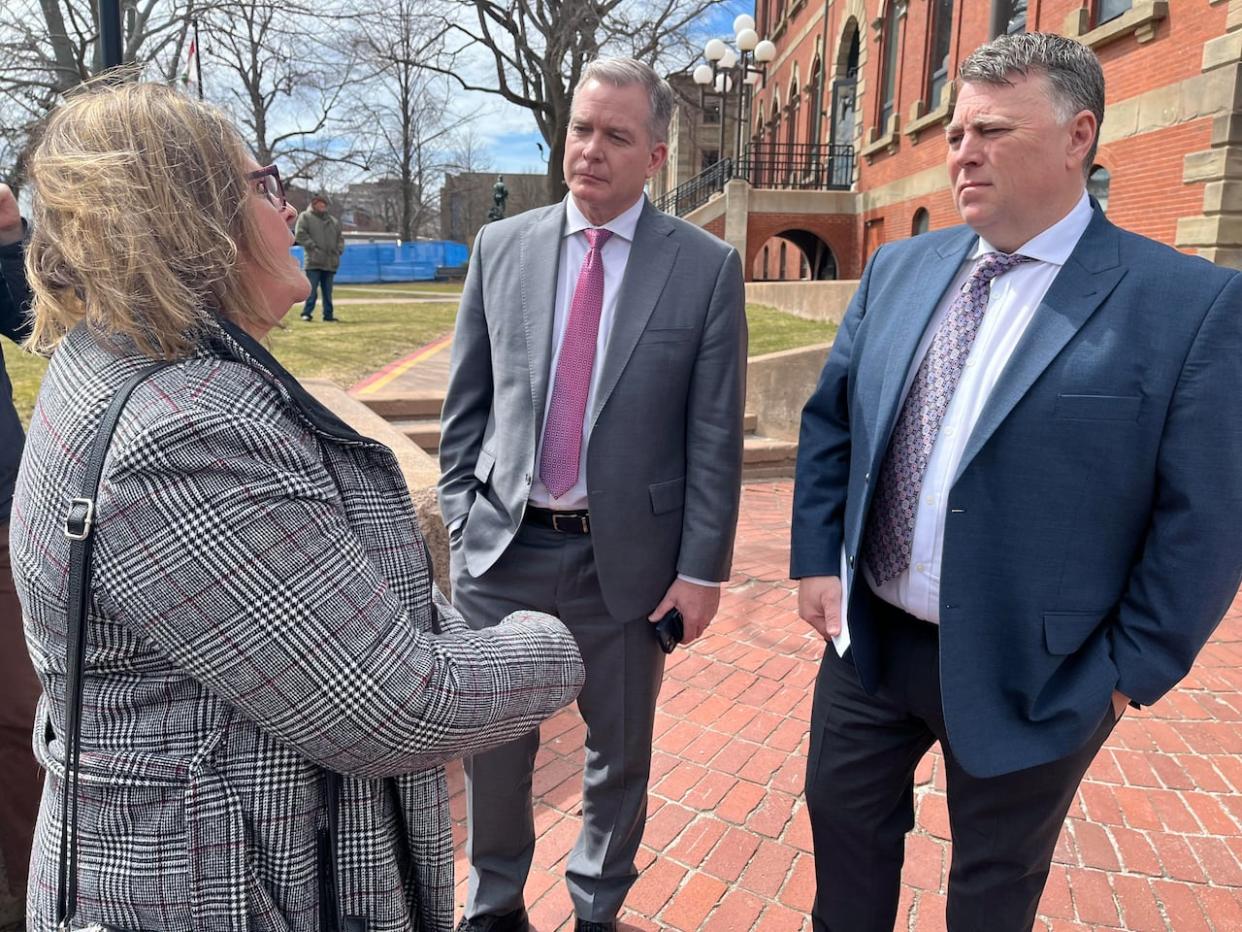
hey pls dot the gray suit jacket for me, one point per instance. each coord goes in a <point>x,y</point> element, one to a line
<point>665,455</point>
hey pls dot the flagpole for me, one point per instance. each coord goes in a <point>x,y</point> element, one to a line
<point>198,58</point>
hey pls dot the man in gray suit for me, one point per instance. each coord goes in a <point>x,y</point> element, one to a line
<point>591,455</point>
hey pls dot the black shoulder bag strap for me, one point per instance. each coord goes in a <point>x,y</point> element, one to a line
<point>79,528</point>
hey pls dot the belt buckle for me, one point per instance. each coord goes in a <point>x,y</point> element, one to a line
<point>583,523</point>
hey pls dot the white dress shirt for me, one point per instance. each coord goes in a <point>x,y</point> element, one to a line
<point>1014,300</point>
<point>615,255</point>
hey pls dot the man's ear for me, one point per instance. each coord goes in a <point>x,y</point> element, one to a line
<point>1082,132</point>
<point>659,155</point>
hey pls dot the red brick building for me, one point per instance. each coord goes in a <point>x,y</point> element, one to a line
<point>860,91</point>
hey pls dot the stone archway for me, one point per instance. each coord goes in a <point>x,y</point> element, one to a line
<point>794,255</point>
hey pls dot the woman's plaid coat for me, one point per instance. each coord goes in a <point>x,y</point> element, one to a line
<point>261,611</point>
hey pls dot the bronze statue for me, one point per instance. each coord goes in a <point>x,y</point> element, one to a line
<point>500,194</point>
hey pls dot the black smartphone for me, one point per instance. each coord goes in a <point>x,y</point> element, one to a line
<point>669,630</point>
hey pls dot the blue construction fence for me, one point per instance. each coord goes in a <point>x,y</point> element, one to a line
<point>389,262</point>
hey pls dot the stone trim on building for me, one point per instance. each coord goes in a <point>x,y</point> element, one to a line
<point>1141,21</point>
<point>1217,234</point>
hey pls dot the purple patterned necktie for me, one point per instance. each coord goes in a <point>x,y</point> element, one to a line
<point>890,524</point>
<point>562,434</point>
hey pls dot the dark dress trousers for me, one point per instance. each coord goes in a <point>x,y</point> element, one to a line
<point>1090,541</point>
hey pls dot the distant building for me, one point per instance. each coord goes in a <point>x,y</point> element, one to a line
<point>375,206</point>
<point>694,136</point>
<point>467,196</point>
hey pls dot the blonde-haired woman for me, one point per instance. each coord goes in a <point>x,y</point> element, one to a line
<point>262,660</point>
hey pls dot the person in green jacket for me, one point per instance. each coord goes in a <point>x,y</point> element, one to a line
<point>319,234</point>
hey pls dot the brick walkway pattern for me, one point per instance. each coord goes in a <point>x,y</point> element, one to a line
<point>1153,841</point>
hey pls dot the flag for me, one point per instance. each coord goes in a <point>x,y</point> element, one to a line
<point>187,76</point>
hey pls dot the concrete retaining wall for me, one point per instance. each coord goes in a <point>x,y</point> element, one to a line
<point>778,385</point>
<point>825,301</point>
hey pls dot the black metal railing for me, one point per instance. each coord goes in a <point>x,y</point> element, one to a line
<point>797,166</point>
<point>789,166</point>
<point>696,192</point>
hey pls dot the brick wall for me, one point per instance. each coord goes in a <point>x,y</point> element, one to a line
<point>1147,193</point>
<point>839,231</point>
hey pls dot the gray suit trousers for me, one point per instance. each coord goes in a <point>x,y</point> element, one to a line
<point>555,573</point>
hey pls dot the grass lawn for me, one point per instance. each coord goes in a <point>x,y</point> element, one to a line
<point>369,336</point>
<point>25,372</point>
<point>772,330</point>
<point>366,337</point>
<point>370,291</point>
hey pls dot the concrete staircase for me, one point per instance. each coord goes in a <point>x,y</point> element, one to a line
<point>417,415</point>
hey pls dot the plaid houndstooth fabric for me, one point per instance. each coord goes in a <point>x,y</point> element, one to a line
<point>262,609</point>
<point>890,523</point>
<point>562,437</point>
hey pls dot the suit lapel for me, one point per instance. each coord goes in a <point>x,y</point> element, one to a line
<point>540,262</point>
<point>1088,277</point>
<point>919,300</point>
<point>652,255</point>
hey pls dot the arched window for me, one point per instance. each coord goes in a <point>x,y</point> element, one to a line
<point>791,124</point>
<point>938,51</point>
<point>815,91</point>
<point>888,79</point>
<point>1097,185</point>
<point>921,223</point>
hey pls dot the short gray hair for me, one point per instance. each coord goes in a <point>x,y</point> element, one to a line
<point>1074,75</point>
<point>624,72</point>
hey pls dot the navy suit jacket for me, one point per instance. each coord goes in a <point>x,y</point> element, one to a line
<point>1093,539</point>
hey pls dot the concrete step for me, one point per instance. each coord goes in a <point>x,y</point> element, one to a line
<point>425,431</point>
<point>407,405</point>
<point>418,417</point>
<point>768,458</point>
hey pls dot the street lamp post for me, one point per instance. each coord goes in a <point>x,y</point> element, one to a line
<point>727,68</point>
<point>110,32</point>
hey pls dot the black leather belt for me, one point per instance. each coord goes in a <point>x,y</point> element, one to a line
<point>567,522</point>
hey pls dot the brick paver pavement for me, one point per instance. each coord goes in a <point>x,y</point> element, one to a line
<point>1152,842</point>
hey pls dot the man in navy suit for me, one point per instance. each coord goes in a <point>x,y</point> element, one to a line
<point>1017,503</point>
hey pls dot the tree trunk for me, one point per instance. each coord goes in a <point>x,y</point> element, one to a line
<point>556,187</point>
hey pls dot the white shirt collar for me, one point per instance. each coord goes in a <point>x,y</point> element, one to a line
<point>622,225</point>
<point>1054,244</point>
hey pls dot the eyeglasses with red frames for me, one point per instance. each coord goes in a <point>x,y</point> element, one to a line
<point>267,182</point>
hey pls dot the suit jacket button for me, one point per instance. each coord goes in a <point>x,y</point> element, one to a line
<point>526,478</point>
<point>867,478</point>
<point>851,561</point>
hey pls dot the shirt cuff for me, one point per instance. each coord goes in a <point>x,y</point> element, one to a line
<point>715,584</point>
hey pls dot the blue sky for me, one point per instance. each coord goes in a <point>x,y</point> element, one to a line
<point>510,143</point>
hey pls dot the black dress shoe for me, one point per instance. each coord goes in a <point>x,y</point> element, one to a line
<point>515,921</point>
<point>585,925</point>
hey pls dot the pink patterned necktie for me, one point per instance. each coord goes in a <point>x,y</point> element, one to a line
<point>890,524</point>
<point>562,434</point>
